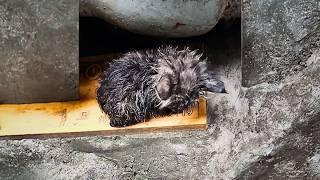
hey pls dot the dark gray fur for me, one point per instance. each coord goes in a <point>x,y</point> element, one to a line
<point>144,84</point>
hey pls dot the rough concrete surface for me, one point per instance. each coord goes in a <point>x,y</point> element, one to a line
<point>39,56</point>
<point>279,36</point>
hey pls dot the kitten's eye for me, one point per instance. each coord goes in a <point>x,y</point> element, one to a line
<point>163,93</point>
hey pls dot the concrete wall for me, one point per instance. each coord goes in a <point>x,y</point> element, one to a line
<point>278,37</point>
<point>38,51</point>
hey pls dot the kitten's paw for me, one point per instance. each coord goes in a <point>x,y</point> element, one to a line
<point>118,122</point>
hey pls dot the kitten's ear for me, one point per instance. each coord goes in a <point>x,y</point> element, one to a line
<point>164,88</point>
<point>201,67</point>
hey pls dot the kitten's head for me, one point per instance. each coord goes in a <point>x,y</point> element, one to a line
<point>182,77</point>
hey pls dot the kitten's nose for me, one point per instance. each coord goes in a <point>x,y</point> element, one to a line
<point>216,86</point>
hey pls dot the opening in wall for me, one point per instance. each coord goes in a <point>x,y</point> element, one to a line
<point>101,42</point>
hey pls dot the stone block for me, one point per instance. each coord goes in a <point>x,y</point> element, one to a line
<point>39,54</point>
<point>278,37</point>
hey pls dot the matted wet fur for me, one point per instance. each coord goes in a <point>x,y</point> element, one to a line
<point>143,84</point>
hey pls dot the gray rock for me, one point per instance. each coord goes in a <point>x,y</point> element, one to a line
<point>173,18</point>
<point>39,51</point>
<point>296,158</point>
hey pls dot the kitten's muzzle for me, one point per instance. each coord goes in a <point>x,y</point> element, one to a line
<point>214,85</point>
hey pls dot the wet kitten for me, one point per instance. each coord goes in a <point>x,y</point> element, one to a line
<point>143,84</point>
